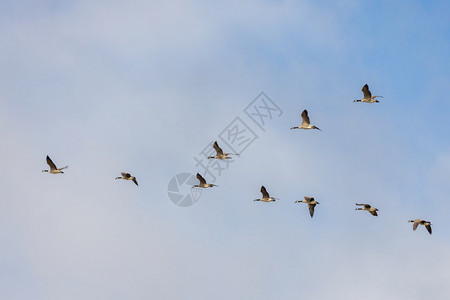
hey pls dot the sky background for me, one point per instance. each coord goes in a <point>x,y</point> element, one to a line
<point>144,86</point>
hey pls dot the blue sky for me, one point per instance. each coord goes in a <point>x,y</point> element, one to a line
<point>111,86</point>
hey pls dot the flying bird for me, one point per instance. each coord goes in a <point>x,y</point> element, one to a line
<point>53,168</point>
<point>369,208</point>
<point>265,196</point>
<point>418,222</point>
<point>306,123</point>
<point>311,204</point>
<point>127,176</point>
<point>368,98</point>
<point>220,154</point>
<point>203,183</point>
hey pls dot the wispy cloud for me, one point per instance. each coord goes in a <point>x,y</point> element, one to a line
<point>107,87</point>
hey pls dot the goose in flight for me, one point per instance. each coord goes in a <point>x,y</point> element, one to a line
<point>53,168</point>
<point>127,176</point>
<point>306,123</point>
<point>418,222</point>
<point>368,98</point>
<point>203,183</point>
<point>220,154</point>
<point>311,204</point>
<point>265,196</point>
<point>369,208</point>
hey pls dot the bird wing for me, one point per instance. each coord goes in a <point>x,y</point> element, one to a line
<point>217,148</point>
<point>367,93</point>
<point>428,227</point>
<point>201,179</point>
<point>416,223</point>
<point>50,163</point>
<point>305,117</point>
<point>374,213</point>
<point>264,192</point>
<point>365,205</point>
<point>311,209</point>
<point>125,175</point>
<point>308,198</point>
<point>135,181</point>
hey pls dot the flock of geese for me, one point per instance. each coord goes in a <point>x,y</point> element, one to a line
<point>306,124</point>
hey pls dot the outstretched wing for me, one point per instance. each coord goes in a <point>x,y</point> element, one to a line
<point>416,223</point>
<point>135,181</point>
<point>365,205</point>
<point>305,117</point>
<point>201,179</point>
<point>125,175</point>
<point>311,209</point>
<point>264,192</point>
<point>309,198</point>
<point>217,148</point>
<point>428,227</point>
<point>367,93</point>
<point>50,163</point>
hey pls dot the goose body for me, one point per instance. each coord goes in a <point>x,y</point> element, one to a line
<point>220,154</point>
<point>265,196</point>
<point>418,222</point>
<point>368,98</point>
<point>203,183</point>
<point>127,176</point>
<point>53,168</point>
<point>368,208</point>
<point>311,204</point>
<point>306,123</point>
